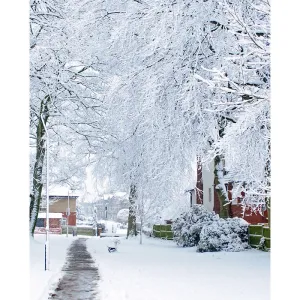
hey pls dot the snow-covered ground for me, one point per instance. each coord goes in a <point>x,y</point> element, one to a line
<point>40,280</point>
<point>113,228</point>
<point>159,270</point>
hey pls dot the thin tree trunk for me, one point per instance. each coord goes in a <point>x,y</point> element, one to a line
<point>199,183</point>
<point>36,195</point>
<point>131,230</point>
<point>221,190</point>
<point>141,232</point>
<point>268,174</point>
<point>269,211</point>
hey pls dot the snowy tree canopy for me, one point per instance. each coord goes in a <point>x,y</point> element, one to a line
<point>141,90</point>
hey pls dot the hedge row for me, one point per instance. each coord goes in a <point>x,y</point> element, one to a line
<point>80,230</point>
<point>260,237</point>
<point>163,231</point>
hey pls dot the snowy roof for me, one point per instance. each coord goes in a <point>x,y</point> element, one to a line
<point>62,191</point>
<point>51,215</point>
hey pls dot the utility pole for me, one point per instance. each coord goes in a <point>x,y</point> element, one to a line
<point>47,246</point>
<point>68,213</point>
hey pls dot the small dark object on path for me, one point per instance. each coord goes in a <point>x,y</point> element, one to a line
<point>111,249</point>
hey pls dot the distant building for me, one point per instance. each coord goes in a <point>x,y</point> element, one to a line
<point>107,209</point>
<point>59,204</point>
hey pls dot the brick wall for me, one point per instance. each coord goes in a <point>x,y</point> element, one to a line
<point>53,223</point>
<point>72,218</point>
<point>250,217</point>
<point>235,210</point>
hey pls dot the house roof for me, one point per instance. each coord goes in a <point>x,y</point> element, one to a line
<point>63,191</point>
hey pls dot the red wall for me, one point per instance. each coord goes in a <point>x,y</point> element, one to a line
<point>72,218</point>
<point>53,223</point>
<point>235,210</point>
<point>54,227</point>
<point>250,217</point>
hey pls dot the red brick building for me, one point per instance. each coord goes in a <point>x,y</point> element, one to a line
<point>206,194</point>
<point>236,210</point>
<point>60,204</point>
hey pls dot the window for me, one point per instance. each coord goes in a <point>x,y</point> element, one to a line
<point>40,222</point>
<point>209,195</point>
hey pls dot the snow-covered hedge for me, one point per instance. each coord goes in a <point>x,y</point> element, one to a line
<point>204,229</point>
<point>224,235</point>
<point>188,226</point>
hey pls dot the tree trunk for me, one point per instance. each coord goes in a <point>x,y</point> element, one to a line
<point>268,174</point>
<point>131,230</point>
<point>36,195</point>
<point>224,210</point>
<point>268,204</point>
<point>141,233</point>
<point>199,183</point>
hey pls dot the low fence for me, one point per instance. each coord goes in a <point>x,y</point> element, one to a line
<point>163,232</point>
<point>42,230</point>
<point>260,237</point>
<point>80,230</point>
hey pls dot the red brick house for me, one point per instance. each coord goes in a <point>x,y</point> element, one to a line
<point>206,194</point>
<point>236,210</point>
<point>60,204</point>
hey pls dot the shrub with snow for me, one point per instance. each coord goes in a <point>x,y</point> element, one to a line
<point>204,229</point>
<point>224,235</point>
<point>188,226</point>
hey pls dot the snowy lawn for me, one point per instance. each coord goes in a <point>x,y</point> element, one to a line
<point>119,232</point>
<point>160,270</point>
<point>41,281</point>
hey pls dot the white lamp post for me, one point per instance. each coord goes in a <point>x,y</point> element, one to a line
<point>47,257</point>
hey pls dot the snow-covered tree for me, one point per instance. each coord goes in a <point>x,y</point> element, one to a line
<point>80,215</point>
<point>242,83</point>
<point>64,94</point>
<point>122,215</point>
<point>144,88</point>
